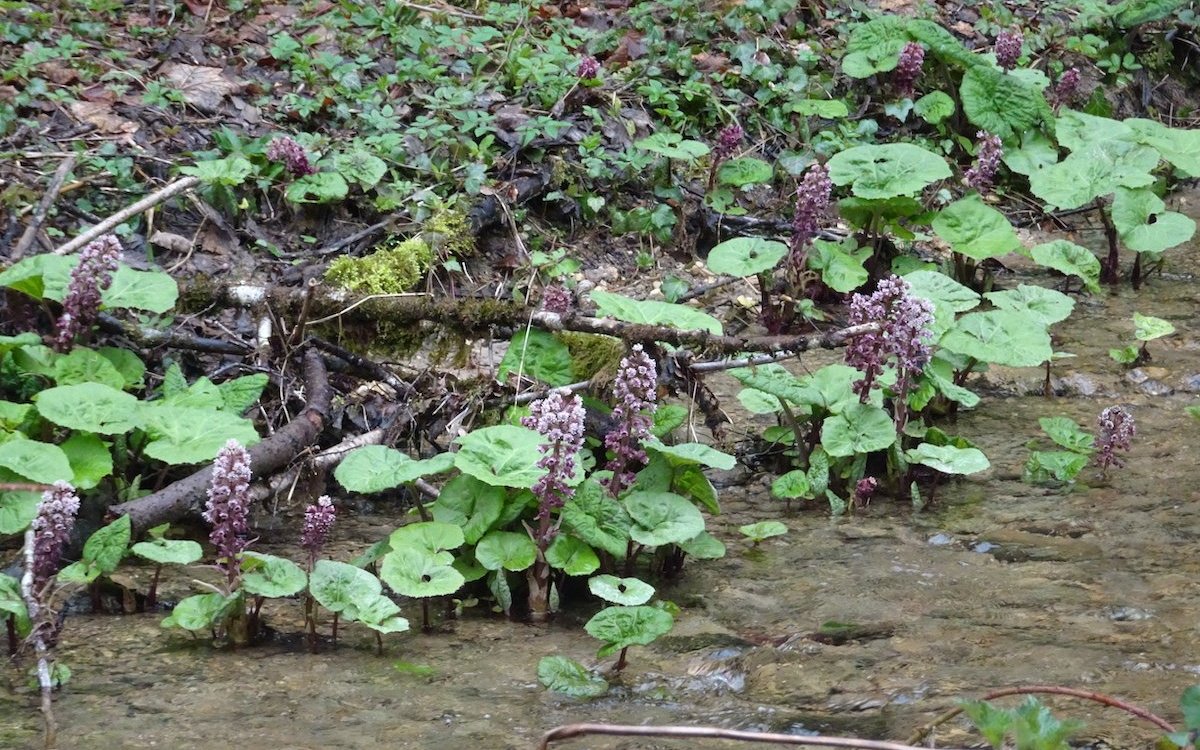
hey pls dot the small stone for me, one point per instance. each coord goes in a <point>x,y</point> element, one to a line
<point>941,540</point>
<point>1156,388</point>
<point>1191,384</point>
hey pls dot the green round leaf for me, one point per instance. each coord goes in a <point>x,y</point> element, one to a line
<point>374,468</point>
<point>653,312</point>
<point>322,187</point>
<point>948,459</point>
<point>537,354</point>
<point>82,365</point>
<point>692,453</point>
<point>621,627</point>
<point>11,603</point>
<point>662,518</point>
<point>153,291</point>
<point>185,435</point>
<point>470,504</point>
<point>271,576</point>
<point>934,107</point>
<point>858,429</point>
<point>593,517</point>
<point>1092,172</point>
<point>1144,224</point>
<point>627,591</point>
<point>169,551</point>
<point>430,536</point>
<point>17,510</point>
<point>975,229</point>
<point>1046,306</point>
<point>746,256</point>
<point>763,530</point>
<point>792,484</point>
<point>90,407</point>
<point>887,171</point>
<point>1001,337</point>
<point>571,556</point>
<point>199,612</point>
<point>382,615</point>
<point>673,146</point>
<point>826,109</point>
<point>360,166</point>
<point>744,171</point>
<point>704,546</point>
<point>1146,328</point>
<point>107,545</point>
<point>559,674</point>
<point>341,587</point>
<point>414,572</point>
<point>504,455</point>
<point>508,550</point>
<point>840,270</point>
<point>38,462</point>
<point>1070,259</point>
<point>90,459</point>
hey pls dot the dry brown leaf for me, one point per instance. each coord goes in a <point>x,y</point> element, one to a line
<point>176,243</point>
<point>58,73</point>
<point>201,87</point>
<point>7,93</point>
<point>101,115</point>
<point>708,62</point>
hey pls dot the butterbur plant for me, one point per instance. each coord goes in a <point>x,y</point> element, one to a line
<point>728,140</point>
<point>908,69</point>
<point>904,340</point>
<point>228,509</point>
<point>1066,90</point>
<point>318,523</point>
<point>812,209</point>
<point>988,153</point>
<point>1116,431</point>
<point>97,264</point>
<point>1008,48</point>
<point>588,69</point>
<point>45,541</point>
<point>559,419</point>
<point>291,155</point>
<point>633,414</point>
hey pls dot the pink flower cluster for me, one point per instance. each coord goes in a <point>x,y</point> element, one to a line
<point>1008,48</point>
<point>908,69</point>
<point>1117,429</point>
<point>318,522</point>
<point>904,335</point>
<point>228,506</point>
<point>559,419</point>
<point>813,198</point>
<point>589,67</point>
<point>291,154</point>
<point>988,152</point>
<point>634,391</point>
<point>1066,91</point>
<point>52,530</point>
<point>556,299</point>
<point>728,140</point>
<point>97,264</point>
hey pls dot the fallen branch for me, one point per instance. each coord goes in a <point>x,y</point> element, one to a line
<point>43,206</point>
<point>1101,698</point>
<point>125,214</point>
<point>45,659</point>
<point>184,496</point>
<point>570,731</point>
<point>150,338</point>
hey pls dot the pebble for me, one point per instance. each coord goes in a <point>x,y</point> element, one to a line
<point>1156,388</point>
<point>1079,384</point>
<point>1191,383</point>
<point>941,540</point>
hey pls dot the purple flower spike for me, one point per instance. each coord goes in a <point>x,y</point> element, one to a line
<point>97,264</point>
<point>51,531</point>
<point>559,419</point>
<point>904,335</point>
<point>318,522</point>
<point>1008,48</point>
<point>728,141</point>
<point>589,68</point>
<point>291,154</point>
<point>635,393</point>
<point>864,490</point>
<point>1117,429</point>
<point>228,506</point>
<point>1066,91</point>
<point>988,152</point>
<point>908,69</point>
<point>813,197</point>
<point>556,299</point>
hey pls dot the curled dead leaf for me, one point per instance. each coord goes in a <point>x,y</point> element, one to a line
<point>202,87</point>
<point>100,115</point>
<point>174,242</point>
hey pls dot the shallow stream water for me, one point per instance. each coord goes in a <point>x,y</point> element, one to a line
<point>999,583</point>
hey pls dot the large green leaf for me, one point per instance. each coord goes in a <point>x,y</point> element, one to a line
<point>948,459</point>
<point>559,674</point>
<point>874,46</point>
<point>692,453</point>
<point>662,518</point>
<point>673,146</point>
<point>653,312</point>
<point>470,504</point>
<point>504,455</point>
<point>239,394</point>
<point>12,603</point>
<point>341,587</point>
<point>430,536</point>
<point>571,556</point>
<point>507,550</point>
<point>154,291</point>
<point>1046,306</point>
<point>374,468</point>
<point>840,270</point>
<point>975,229</point>
<point>621,627</point>
<point>322,187</point>
<point>382,615</point>
<point>628,591</point>
<point>91,407</point>
<point>704,546</point>
<point>1000,337</point>
<point>744,171</point>
<point>199,612</point>
<point>537,354</point>
<point>414,572</point>
<point>1066,432</point>
<point>593,517</point>
<point>773,379</point>
<point>1144,224</point>
<point>1148,327</point>
<point>858,429</point>
<point>169,551</point>
<point>887,171</point>
<point>746,256</point>
<point>17,510</point>
<point>271,576</point>
<point>1129,13</point>
<point>934,107</point>
<point>183,435</point>
<point>107,545</point>
<point>83,365</point>
<point>1070,259</point>
<point>999,102</point>
<point>360,166</point>
<point>90,459</point>
<point>761,530</point>
<point>1037,151</point>
<point>1176,145</point>
<point>44,463</point>
<point>1093,172</point>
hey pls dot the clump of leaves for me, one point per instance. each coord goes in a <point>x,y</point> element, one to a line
<point>1030,726</point>
<point>1146,328</point>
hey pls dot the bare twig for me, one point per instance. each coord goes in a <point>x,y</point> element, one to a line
<point>43,206</point>
<point>177,187</point>
<point>571,731</point>
<point>45,659</point>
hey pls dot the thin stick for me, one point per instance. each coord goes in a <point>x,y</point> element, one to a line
<point>43,207</point>
<point>177,187</point>
<point>1101,698</point>
<point>44,657</point>
<point>571,731</point>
